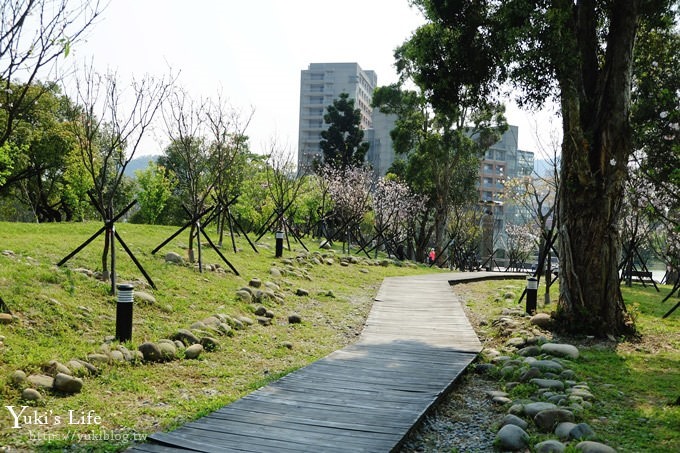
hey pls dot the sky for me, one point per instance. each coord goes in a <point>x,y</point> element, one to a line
<point>253,51</point>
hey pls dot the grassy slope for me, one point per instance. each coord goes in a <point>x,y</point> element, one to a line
<point>635,381</point>
<point>64,315</point>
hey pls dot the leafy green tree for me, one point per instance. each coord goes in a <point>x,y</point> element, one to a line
<point>7,152</point>
<point>309,205</point>
<point>655,99</point>
<point>254,204</point>
<point>581,54</point>
<point>187,158</point>
<point>42,141</point>
<point>77,183</point>
<point>155,188</point>
<point>441,146</point>
<point>342,143</point>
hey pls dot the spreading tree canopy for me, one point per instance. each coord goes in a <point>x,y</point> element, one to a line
<point>440,147</point>
<point>580,53</point>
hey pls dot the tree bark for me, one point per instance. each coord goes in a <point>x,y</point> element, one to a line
<point>595,151</point>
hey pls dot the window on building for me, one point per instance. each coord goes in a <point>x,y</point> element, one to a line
<point>488,168</point>
<point>488,182</point>
<point>500,169</point>
<point>487,195</point>
<point>316,100</point>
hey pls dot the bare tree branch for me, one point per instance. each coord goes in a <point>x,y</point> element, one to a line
<point>33,35</point>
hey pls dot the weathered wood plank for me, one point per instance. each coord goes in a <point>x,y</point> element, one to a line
<point>155,448</point>
<point>212,441</point>
<point>227,435</point>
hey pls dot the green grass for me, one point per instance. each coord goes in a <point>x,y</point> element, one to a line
<point>635,381</point>
<point>63,314</point>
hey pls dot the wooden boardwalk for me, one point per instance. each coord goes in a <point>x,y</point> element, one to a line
<point>366,397</point>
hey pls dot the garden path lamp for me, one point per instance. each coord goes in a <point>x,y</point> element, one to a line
<point>532,293</point>
<point>279,244</point>
<point>124,312</point>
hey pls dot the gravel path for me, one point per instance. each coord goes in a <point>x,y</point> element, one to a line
<point>465,421</point>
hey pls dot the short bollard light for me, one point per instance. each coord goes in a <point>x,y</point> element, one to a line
<point>532,294</point>
<point>279,244</point>
<point>124,312</point>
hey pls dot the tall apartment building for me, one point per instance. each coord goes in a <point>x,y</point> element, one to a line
<point>320,85</point>
<point>502,161</point>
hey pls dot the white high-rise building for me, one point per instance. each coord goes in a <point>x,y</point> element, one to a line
<point>320,85</point>
<point>502,161</point>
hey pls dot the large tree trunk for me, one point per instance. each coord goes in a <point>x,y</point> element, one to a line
<point>597,145</point>
<point>590,297</point>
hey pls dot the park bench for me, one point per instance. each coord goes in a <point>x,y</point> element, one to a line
<point>640,275</point>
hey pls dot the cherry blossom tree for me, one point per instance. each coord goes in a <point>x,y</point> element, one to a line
<point>520,242</point>
<point>395,205</point>
<point>350,191</point>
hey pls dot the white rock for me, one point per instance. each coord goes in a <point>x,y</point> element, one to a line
<point>561,350</point>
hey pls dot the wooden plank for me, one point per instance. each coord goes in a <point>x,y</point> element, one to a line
<point>359,429</point>
<point>407,379</point>
<point>209,434</point>
<point>204,437</point>
<point>361,390</point>
<point>384,420</point>
<point>370,367</point>
<point>394,381</point>
<point>334,401</point>
<point>155,448</point>
<point>207,441</point>
<point>302,406</point>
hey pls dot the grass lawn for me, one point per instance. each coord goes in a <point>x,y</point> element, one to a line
<point>62,314</point>
<point>636,381</point>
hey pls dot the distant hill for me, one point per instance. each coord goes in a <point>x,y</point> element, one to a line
<point>139,163</point>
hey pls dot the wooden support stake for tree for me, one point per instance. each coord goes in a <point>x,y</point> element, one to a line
<point>207,238</point>
<point>3,307</point>
<point>178,232</point>
<point>109,229</point>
